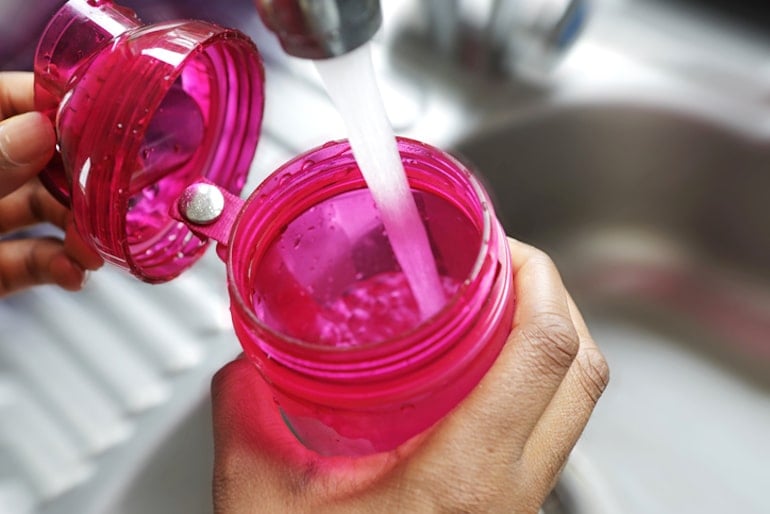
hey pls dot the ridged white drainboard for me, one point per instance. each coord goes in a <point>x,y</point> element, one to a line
<point>90,382</point>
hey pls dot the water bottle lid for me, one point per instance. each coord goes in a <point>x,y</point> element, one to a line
<point>141,112</point>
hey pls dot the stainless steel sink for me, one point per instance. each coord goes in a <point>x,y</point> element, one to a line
<point>649,187</point>
<point>642,164</point>
<point>659,223</point>
<point>655,214</point>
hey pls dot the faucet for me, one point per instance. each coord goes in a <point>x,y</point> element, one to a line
<point>507,36</point>
<point>514,36</point>
<point>320,29</point>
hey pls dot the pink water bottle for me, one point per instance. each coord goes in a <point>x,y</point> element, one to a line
<point>141,111</point>
<point>157,126</point>
<point>322,309</point>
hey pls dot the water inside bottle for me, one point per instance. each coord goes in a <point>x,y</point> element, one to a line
<point>350,81</point>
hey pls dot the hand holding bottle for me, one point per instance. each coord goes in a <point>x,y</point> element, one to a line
<point>500,450</point>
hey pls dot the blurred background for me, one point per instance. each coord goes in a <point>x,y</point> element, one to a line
<point>628,138</point>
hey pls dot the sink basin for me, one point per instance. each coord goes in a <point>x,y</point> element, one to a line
<point>658,221</point>
<point>655,213</point>
<point>640,165</point>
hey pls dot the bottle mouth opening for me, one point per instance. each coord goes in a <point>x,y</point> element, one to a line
<point>310,236</point>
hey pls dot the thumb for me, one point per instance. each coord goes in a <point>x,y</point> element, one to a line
<point>258,464</point>
<point>27,143</point>
<point>247,420</point>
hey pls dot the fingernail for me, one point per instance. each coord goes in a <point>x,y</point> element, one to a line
<point>86,276</point>
<point>24,139</point>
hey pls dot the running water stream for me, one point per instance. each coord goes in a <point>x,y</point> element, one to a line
<point>351,84</point>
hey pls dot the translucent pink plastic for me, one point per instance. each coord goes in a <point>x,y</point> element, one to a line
<point>141,112</point>
<point>321,307</point>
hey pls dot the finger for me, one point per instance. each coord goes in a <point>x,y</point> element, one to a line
<point>16,93</point>
<point>257,460</point>
<point>27,143</point>
<point>540,349</point>
<point>563,422</point>
<point>245,414</point>
<point>253,445</point>
<point>29,205</point>
<point>499,415</point>
<point>32,204</point>
<point>78,250</point>
<point>29,262</point>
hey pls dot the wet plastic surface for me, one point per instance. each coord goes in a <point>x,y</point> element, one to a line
<point>322,307</point>
<point>141,111</point>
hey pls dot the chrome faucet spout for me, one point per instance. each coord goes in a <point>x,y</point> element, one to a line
<point>320,29</point>
<point>509,36</point>
<point>532,35</point>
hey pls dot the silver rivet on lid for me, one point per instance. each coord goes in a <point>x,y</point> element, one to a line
<point>202,204</point>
